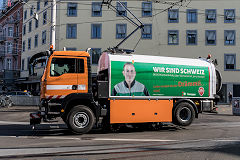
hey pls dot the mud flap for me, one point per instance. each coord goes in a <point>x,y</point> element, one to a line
<point>35,118</point>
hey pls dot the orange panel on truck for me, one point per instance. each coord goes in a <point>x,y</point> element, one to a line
<point>138,111</point>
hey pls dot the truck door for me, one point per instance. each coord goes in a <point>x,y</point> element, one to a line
<point>82,71</point>
<point>62,77</point>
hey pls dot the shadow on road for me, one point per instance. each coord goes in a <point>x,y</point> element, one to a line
<point>62,130</point>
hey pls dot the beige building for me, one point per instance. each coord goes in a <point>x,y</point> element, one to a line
<point>189,29</point>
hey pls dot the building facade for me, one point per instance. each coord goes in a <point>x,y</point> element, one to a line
<point>10,45</point>
<point>188,29</point>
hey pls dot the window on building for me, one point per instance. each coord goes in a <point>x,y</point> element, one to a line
<point>191,37</point>
<point>23,46</point>
<point>71,31</point>
<point>44,17</point>
<point>211,37</point>
<point>121,10</point>
<point>173,37</point>
<point>5,32</point>
<point>16,49</point>
<point>10,31</point>
<point>72,9</point>
<point>96,31</point>
<point>29,43</point>
<point>36,41</point>
<point>146,9</point>
<point>211,15</point>
<point>22,65</point>
<point>230,61</point>
<point>71,49</point>
<point>229,36</point>
<point>236,89</point>
<point>25,14</point>
<point>44,37</point>
<point>9,64</point>
<point>95,55</point>
<point>30,26</point>
<point>121,31</point>
<point>38,5</point>
<point>17,30</point>
<point>192,16</point>
<point>60,66</point>
<point>96,9</point>
<point>173,15</point>
<point>24,29</point>
<point>229,16</point>
<point>147,31</point>
<point>31,11</point>
<point>45,3</point>
<point>9,47</point>
<point>28,60</point>
<point>18,15</point>
<point>36,23</point>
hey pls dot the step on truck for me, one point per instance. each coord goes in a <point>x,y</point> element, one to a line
<point>128,89</point>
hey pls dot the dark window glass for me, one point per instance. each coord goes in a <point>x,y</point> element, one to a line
<point>71,31</point>
<point>96,9</point>
<point>146,9</point>
<point>121,30</point>
<point>229,16</point>
<point>80,66</point>
<point>191,37</point>
<point>30,26</point>
<point>192,16</point>
<point>96,31</point>
<point>211,16</point>
<point>72,9</point>
<point>60,66</point>
<point>36,23</point>
<point>95,54</point>
<point>38,5</point>
<point>236,90</point>
<point>45,17</point>
<point>230,61</point>
<point>121,10</point>
<point>172,15</point>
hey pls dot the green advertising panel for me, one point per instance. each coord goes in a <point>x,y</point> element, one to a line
<point>152,79</point>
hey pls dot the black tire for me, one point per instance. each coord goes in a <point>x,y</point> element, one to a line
<point>184,114</point>
<point>80,119</point>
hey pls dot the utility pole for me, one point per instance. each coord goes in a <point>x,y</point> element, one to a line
<point>53,26</point>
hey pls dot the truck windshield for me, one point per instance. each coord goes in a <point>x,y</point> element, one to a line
<point>60,66</point>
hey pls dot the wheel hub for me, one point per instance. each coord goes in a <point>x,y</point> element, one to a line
<point>185,114</point>
<point>81,120</point>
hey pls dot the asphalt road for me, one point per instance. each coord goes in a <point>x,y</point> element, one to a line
<point>210,137</point>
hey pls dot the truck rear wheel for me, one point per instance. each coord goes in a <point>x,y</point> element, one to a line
<point>80,119</point>
<point>184,114</point>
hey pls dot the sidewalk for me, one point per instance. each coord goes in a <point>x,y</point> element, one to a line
<point>224,109</point>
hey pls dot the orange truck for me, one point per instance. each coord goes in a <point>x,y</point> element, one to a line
<point>128,89</point>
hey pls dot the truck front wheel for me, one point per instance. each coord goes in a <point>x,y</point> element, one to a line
<point>80,119</point>
<point>184,114</point>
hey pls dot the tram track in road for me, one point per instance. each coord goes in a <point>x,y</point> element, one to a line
<point>137,148</point>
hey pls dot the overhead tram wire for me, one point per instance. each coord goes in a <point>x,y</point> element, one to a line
<point>163,10</point>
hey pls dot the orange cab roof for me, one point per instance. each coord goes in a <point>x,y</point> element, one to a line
<point>71,53</point>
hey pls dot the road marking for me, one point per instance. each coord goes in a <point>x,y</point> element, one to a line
<point>107,149</point>
<point>135,140</point>
<point>8,122</point>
